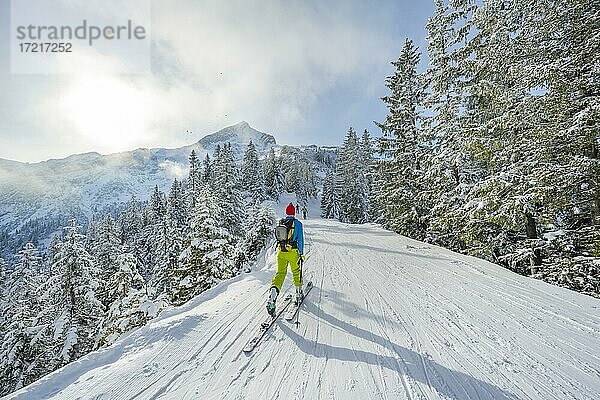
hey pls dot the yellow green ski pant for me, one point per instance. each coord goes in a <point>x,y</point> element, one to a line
<point>283,259</point>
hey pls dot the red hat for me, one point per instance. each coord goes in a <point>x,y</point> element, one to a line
<point>290,210</point>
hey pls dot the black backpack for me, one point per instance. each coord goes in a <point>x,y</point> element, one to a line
<point>283,234</point>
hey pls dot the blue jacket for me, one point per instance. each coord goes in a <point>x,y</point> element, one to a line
<point>298,235</point>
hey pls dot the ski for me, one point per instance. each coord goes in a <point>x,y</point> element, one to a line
<point>264,326</point>
<point>291,312</point>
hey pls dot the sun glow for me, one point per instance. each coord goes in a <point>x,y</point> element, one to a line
<point>108,113</point>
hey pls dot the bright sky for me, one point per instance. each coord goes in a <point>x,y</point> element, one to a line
<point>303,71</point>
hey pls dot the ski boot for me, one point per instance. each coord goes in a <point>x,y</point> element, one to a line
<point>271,302</point>
<point>299,295</point>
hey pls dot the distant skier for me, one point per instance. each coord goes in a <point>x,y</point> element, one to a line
<point>304,212</point>
<point>290,243</point>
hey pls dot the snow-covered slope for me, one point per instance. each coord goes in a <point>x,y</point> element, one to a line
<point>79,184</point>
<point>389,318</point>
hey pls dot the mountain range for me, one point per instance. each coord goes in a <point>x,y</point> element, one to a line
<point>81,184</point>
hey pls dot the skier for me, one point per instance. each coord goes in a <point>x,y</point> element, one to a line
<point>290,240</point>
<point>304,212</point>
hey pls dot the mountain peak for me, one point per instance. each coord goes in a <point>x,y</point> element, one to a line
<point>239,135</point>
<point>241,124</point>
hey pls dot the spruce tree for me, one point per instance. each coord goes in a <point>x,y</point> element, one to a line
<point>194,178</point>
<point>131,306</point>
<point>158,206</point>
<point>227,190</point>
<point>131,222</point>
<point>171,240</point>
<point>259,229</point>
<point>52,249</point>
<point>252,177</point>
<point>354,190</point>
<point>18,351</point>
<point>403,209</point>
<point>306,186</point>
<point>208,256</point>
<point>289,169</point>
<point>449,169</point>
<point>274,182</point>
<point>152,238</point>
<point>566,120</point>
<point>330,202</point>
<point>368,164</point>
<point>208,175</point>
<point>74,302</point>
<point>105,249</point>
<point>213,240</point>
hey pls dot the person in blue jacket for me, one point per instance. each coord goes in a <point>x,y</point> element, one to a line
<point>291,252</point>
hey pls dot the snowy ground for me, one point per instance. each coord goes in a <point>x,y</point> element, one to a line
<point>389,318</point>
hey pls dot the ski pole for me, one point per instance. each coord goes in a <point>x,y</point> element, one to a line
<point>301,265</point>
<point>297,323</point>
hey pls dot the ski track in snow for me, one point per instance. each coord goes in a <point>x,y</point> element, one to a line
<point>389,318</point>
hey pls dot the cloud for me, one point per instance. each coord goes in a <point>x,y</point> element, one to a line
<point>217,63</point>
<point>174,169</point>
<point>268,61</point>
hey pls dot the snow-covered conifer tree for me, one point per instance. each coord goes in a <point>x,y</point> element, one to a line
<point>194,178</point>
<point>131,306</point>
<point>400,171</point>
<point>151,242</point>
<point>209,254</point>
<point>259,229</point>
<point>368,164</point>
<point>307,181</point>
<point>354,190</point>
<point>17,349</point>
<point>208,175</point>
<point>273,177</point>
<point>171,240</point>
<point>252,177</point>
<point>289,169</point>
<point>212,239</point>
<point>330,202</point>
<point>52,248</point>
<point>105,249</point>
<point>228,192</point>
<point>158,206</point>
<point>131,222</point>
<point>74,302</point>
<point>366,149</point>
<point>449,169</point>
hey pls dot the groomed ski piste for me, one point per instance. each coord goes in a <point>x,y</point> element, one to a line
<point>389,318</point>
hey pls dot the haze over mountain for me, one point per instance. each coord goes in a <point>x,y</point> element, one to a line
<point>80,184</point>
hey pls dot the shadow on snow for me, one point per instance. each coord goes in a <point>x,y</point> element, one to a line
<point>404,362</point>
